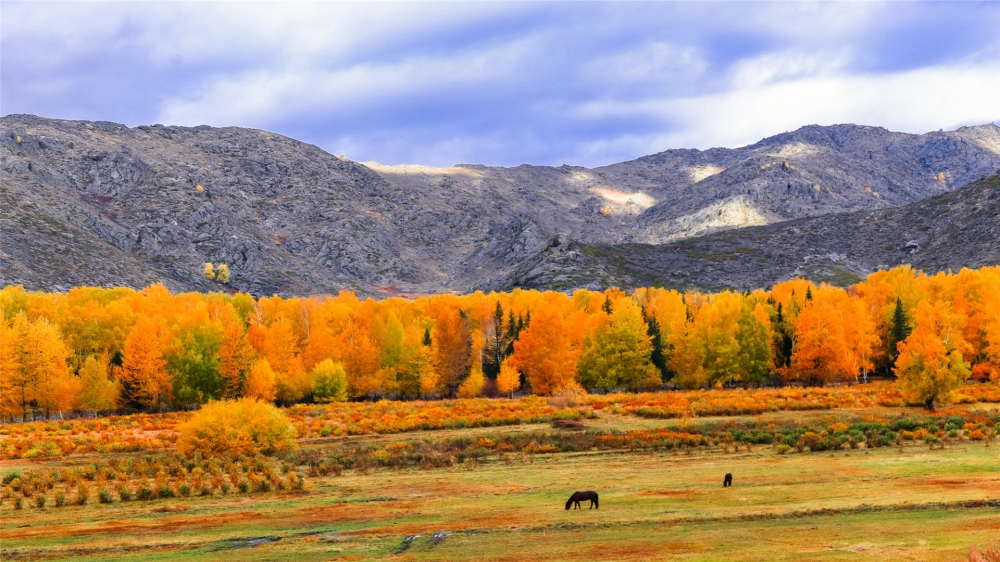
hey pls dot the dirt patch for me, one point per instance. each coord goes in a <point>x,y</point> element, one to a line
<point>171,508</point>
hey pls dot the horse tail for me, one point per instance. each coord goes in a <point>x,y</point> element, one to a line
<point>596,504</point>
<point>569,502</point>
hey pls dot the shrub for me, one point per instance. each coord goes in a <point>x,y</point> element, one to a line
<point>226,488</point>
<point>244,486</point>
<point>184,489</point>
<point>244,426</point>
<point>782,448</point>
<point>568,397</point>
<point>145,494</point>
<point>104,496</point>
<point>166,492</point>
<point>989,553</point>
<point>124,494</point>
<point>40,500</point>
<point>19,503</point>
<point>82,495</point>
<point>10,477</point>
<point>60,499</point>
<point>329,382</point>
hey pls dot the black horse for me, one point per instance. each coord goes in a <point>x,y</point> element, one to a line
<point>578,497</point>
<point>727,481</point>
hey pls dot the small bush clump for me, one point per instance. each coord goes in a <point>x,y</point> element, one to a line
<point>104,496</point>
<point>244,426</point>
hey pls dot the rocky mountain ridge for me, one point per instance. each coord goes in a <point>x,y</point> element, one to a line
<point>100,203</point>
<point>946,232</point>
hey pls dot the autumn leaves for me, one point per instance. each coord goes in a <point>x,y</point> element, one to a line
<point>97,349</point>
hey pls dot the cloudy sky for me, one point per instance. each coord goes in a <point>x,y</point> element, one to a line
<point>505,83</point>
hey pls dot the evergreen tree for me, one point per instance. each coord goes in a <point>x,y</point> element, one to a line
<point>513,330</point>
<point>495,350</point>
<point>783,340</point>
<point>899,331</point>
<point>657,357</point>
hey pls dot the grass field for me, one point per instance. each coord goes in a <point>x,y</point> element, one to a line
<point>918,504</point>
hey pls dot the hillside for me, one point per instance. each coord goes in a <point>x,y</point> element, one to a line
<point>99,203</point>
<point>950,231</point>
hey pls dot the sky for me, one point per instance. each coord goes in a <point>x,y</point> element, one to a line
<point>501,83</point>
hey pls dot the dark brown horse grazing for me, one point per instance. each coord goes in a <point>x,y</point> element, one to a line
<point>578,497</point>
<point>727,481</point>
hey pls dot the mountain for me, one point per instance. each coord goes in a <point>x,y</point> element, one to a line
<point>100,203</point>
<point>950,231</point>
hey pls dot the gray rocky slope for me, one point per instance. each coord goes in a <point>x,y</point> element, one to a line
<point>99,203</point>
<point>946,232</point>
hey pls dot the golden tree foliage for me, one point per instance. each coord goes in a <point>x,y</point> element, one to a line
<point>33,369</point>
<point>835,338</point>
<point>361,360</point>
<point>543,353</point>
<point>236,358</point>
<point>281,349</point>
<point>616,354</point>
<point>473,384</point>
<point>261,383</point>
<point>708,351</point>
<point>98,392</point>
<point>329,382</point>
<point>246,426</point>
<point>183,348</point>
<point>509,380</point>
<point>930,363</point>
<point>143,372</point>
<point>452,350</point>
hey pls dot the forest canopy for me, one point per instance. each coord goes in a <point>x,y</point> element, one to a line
<point>98,349</point>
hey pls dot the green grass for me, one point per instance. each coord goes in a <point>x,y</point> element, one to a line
<point>847,505</point>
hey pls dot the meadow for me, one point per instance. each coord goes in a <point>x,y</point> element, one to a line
<point>846,481</point>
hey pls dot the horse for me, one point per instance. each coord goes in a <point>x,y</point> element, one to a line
<point>578,497</point>
<point>727,481</point>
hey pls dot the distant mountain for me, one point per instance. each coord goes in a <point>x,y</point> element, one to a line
<point>102,204</point>
<point>950,231</point>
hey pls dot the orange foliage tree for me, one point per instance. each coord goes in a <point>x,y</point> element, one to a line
<point>451,341</point>
<point>543,353</point>
<point>143,372</point>
<point>930,363</point>
<point>835,338</point>
<point>236,358</point>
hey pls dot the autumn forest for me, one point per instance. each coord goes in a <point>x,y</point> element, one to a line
<point>103,349</point>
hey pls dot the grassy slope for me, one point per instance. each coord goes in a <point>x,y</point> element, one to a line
<point>662,505</point>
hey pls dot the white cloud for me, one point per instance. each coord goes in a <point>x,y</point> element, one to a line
<point>440,83</point>
<point>274,94</point>
<point>915,101</point>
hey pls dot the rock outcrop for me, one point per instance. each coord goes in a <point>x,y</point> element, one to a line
<point>946,232</point>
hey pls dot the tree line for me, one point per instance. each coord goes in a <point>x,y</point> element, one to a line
<point>100,349</point>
